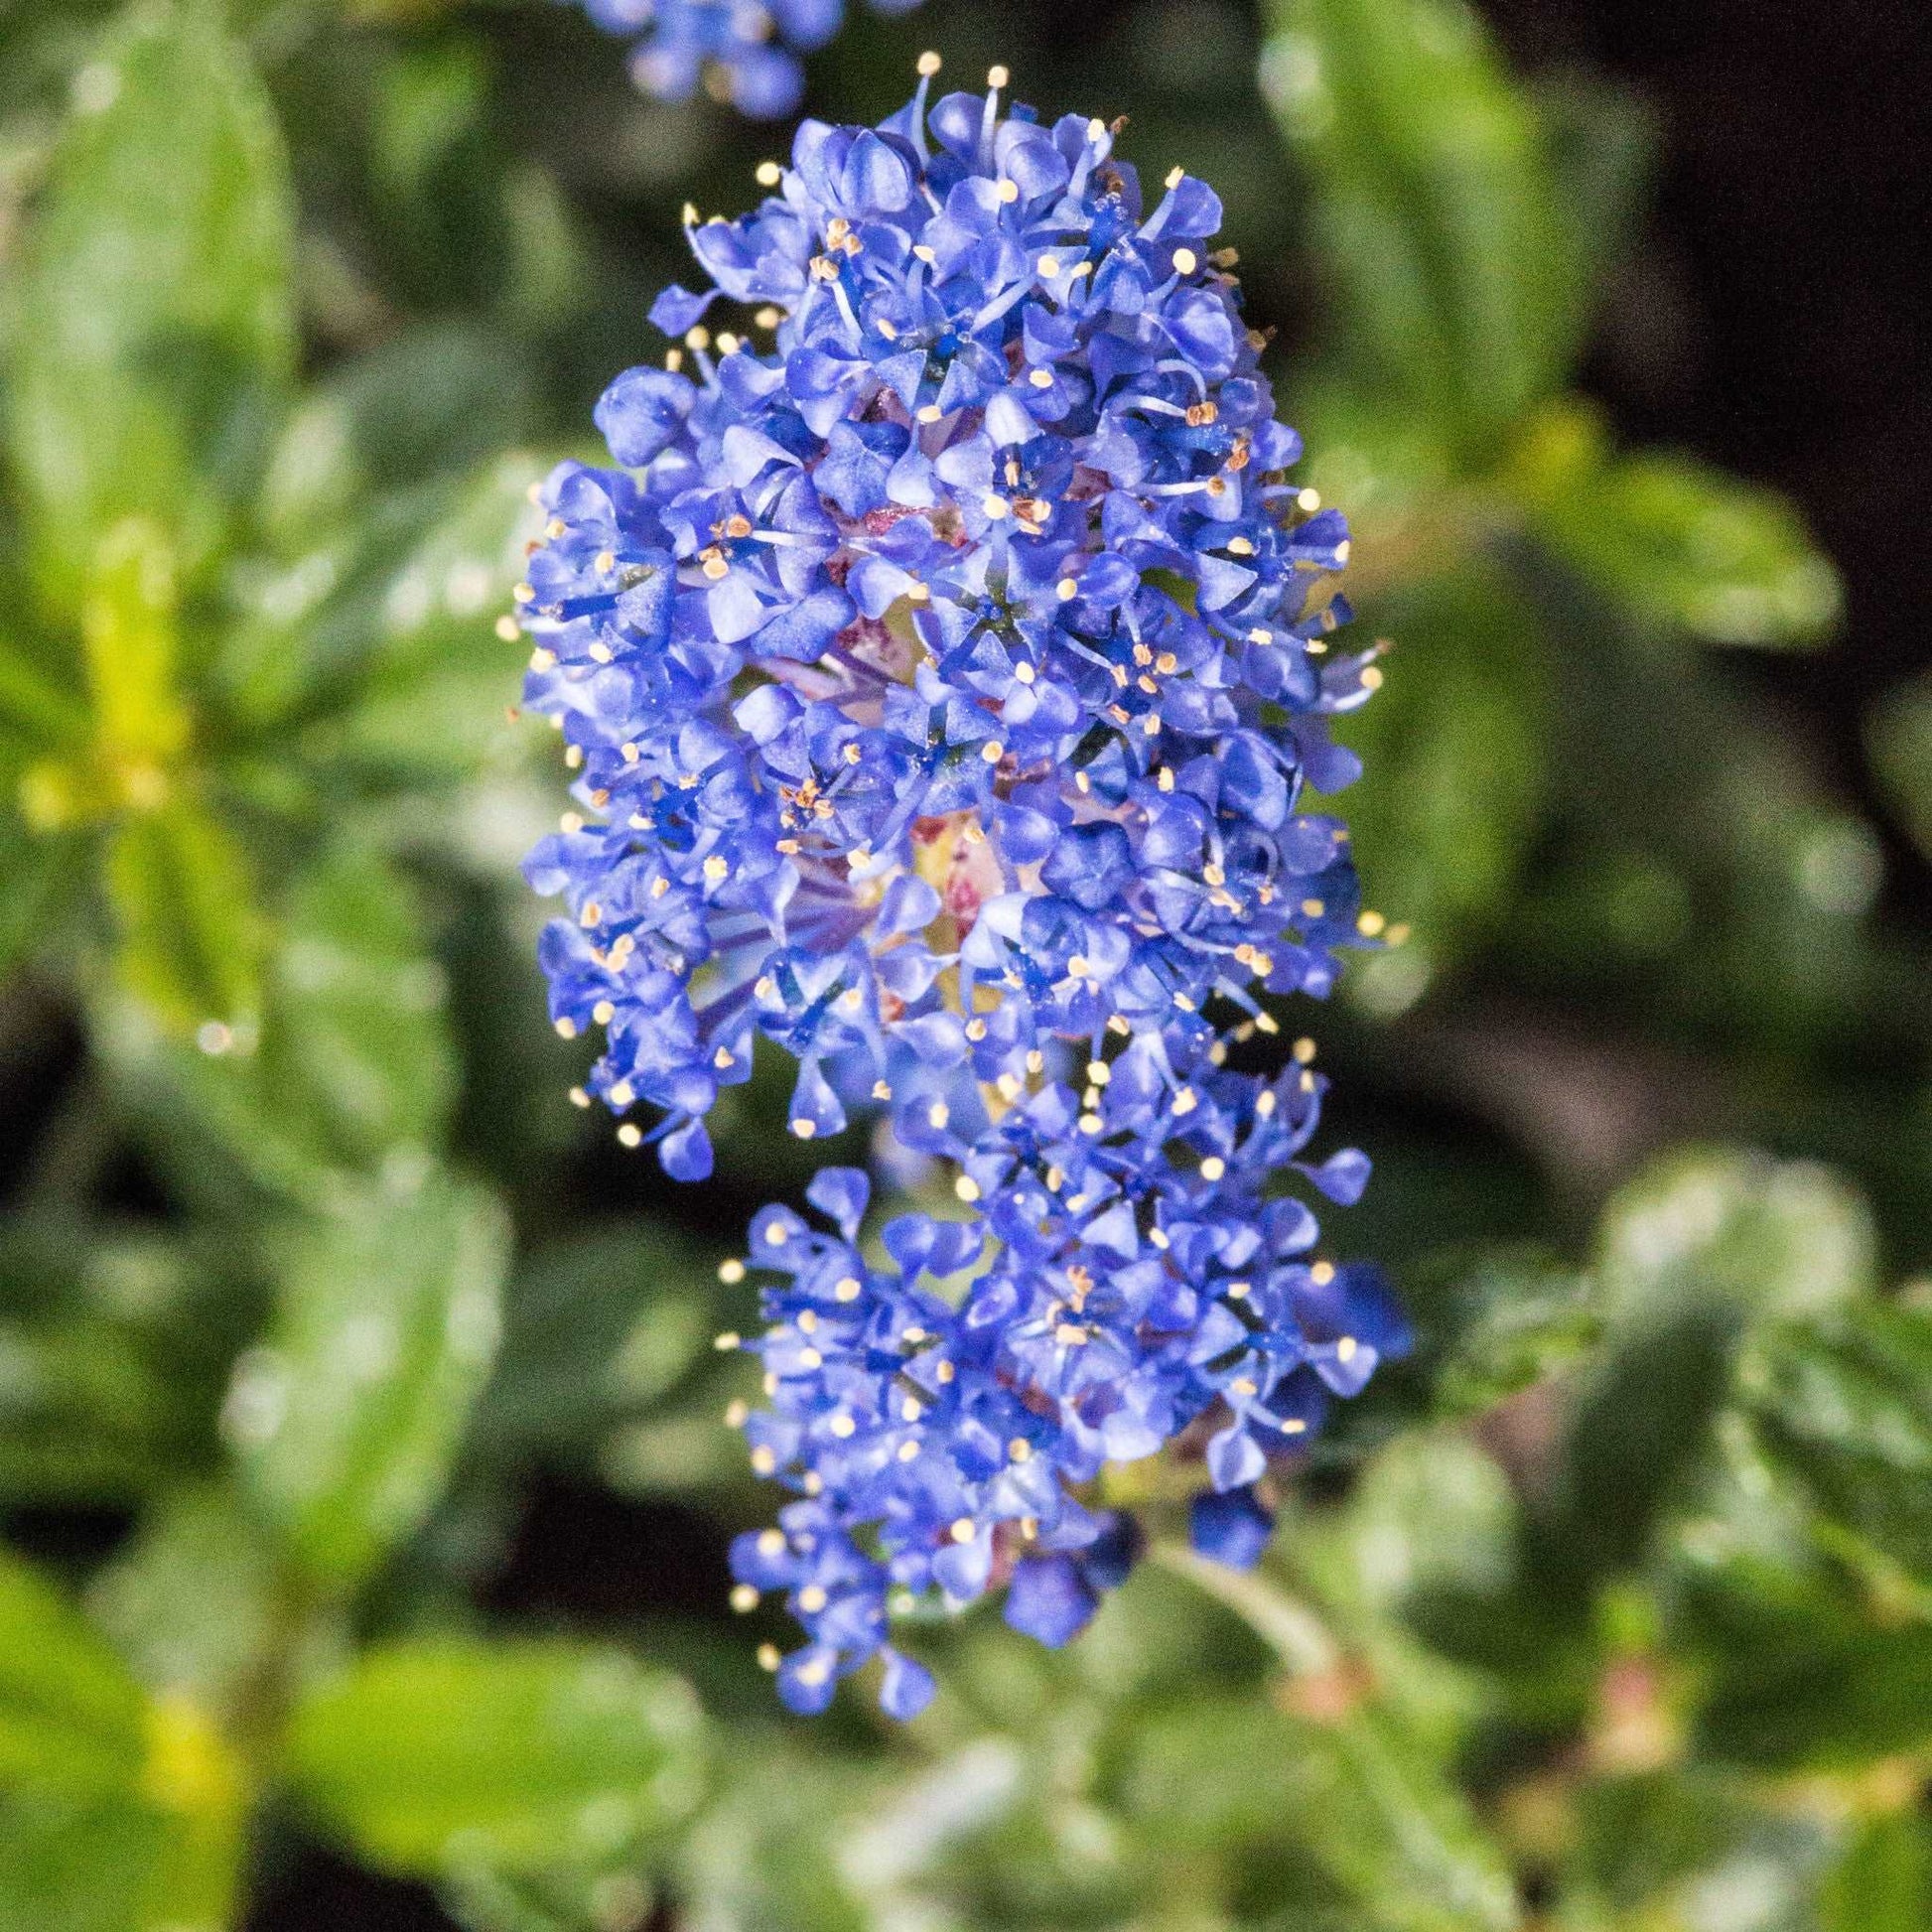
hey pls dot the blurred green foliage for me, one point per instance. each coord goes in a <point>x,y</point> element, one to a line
<point>1610,1611</point>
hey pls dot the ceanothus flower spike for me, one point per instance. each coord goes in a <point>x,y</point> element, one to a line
<point>945,665</point>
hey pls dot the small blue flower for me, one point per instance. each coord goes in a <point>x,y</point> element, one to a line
<point>743,52</point>
<point>946,666</point>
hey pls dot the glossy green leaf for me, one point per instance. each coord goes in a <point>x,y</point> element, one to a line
<point>1673,541</point>
<point>1898,737</point>
<point>1435,205</point>
<point>72,1718</point>
<point>156,330</point>
<point>434,1756</point>
<point>1780,1237</point>
<point>1846,1406</point>
<point>347,1417</point>
<point>191,938</point>
<point>1453,747</point>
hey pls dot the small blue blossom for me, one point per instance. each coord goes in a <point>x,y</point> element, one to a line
<point>743,52</point>
<point>947,686</point>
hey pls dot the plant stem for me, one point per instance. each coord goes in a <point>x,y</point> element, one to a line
<point>1294,1633</point>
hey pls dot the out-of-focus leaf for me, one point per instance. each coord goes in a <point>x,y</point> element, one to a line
<point>430,706</point>
<point>191,936</point>
<point>766,1851</point>
<point>1898,736</point>
<point>1673,541</point>
<point>1686,1848</point>
<point>114,1349</point>
<point>1489,1324</point>
<point>1435,205</point>
<point>352,1063</point>
<point>35,710</point>
<point>439,1756</point>
<point>596,1328</point>
<point>1602,142</point>
<point>187,1604</point>
<point>156,330</point>
<point>1883,1882</point>
<point>1642,1424</point>
<point>1453,749</point>
<point>1859,1695</point>
<point>435,401</point>
<point>1778,1237</point>
<point>346,1419</point>
<point>1376,1804</point>
<point>71,1715</point>
<point>118,1864</point>
<point>1846,1406</point>
<point>128,626</point>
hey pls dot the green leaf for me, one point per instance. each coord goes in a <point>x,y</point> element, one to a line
<point>188,1604</point>
<point>1641,1427</point>
<point>34,708</point>
<point>348,1417</point>
<point>128,627</point>
<point>354,1061</point>
<point>156,329</point>
<point>190,938</point>
<point>596,1328</point>
<point>73,1864</point>
<point>1781,1238</point>
<point>1846,1406</point>
<point>1492,1324</point>
<point>1883,1882</point>
<point>72,1718</point>
<point>1898,740</point>
<point>1435,205</point>
<point>436,1758</point>
<point>1453,748</point>
<point>430,706</point>
<point>1684,1848</point>
<point>1834,1703</point>
<point>114,1350</point>
<point>39,879</point>
<point>1671,542</point>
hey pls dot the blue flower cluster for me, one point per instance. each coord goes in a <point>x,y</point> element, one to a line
<point>945,684</point>
<point>745,52</point>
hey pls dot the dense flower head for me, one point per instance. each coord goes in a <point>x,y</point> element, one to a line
<point>745,52</point>
<point>947,684</point>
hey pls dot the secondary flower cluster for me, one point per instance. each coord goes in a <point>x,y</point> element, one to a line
<point>946,682</point>
<point>745,52</point>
